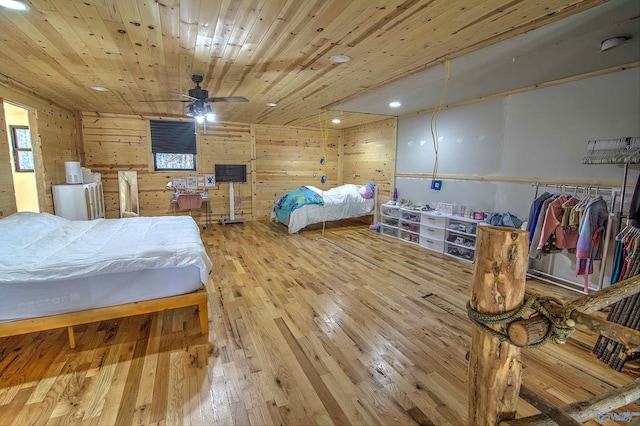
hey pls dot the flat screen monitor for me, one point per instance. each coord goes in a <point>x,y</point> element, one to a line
<point>231,173</point>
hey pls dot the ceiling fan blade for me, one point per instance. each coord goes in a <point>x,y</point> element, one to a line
<point>184,96</point>
<point>227,99</point>
<point>168,100</point>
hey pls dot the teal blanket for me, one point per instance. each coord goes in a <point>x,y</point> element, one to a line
<point>295,199</point>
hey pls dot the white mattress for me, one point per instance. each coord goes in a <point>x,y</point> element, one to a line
<point>51,265</point>
<point>36,299</point>
<point>342,202</point>
<point>39,247</point>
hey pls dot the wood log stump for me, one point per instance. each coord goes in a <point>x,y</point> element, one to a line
<point>495,368</point>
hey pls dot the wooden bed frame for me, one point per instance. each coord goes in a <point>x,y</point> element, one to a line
<point>195,298</point>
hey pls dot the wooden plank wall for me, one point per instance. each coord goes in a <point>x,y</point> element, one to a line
<point>113,142</point>
<point>120,142</point>
<point>54,139</point>
<point>289,157</point>
<point>7,198</point>
<point>56,144</point>
<point>370,155</point>
<point>280,158</point>
<point>227,143</point>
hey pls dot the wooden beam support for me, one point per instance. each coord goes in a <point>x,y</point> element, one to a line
<point>547,408</point>
<point>595,301</point>
<point>582,411</point>
<point>498,285</point>
<point>532,330</point>
<point>625,335</point>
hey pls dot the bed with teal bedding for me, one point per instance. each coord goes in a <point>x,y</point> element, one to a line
<point>308,205</point>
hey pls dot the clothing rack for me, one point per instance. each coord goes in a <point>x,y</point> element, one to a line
<point>553,279</point>
<point>623,151</point>
<point>615,151</point>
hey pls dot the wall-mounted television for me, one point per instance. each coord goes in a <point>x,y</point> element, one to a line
<point>231,173</point>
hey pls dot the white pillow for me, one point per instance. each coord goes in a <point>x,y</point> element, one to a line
<point>314,189</point>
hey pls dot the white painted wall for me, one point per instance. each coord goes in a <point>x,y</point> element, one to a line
<point>550,127</point>
<point>536,134</point>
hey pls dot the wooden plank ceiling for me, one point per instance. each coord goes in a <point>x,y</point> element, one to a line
<point>265,50</point>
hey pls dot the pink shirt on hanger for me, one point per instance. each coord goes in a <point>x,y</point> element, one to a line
<point>565,237</point>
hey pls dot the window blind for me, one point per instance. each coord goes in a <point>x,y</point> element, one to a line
<point>175,137</point>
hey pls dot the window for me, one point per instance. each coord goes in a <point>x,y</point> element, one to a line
<point>22,149</point>
<point>164,161</point>
<point>173,144</point>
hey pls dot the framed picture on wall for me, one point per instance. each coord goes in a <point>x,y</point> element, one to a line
<point>192,182</point>
<point>22,148</point>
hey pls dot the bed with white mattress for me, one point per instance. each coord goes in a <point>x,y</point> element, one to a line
<point>342,202</point>
<point>57,273</point>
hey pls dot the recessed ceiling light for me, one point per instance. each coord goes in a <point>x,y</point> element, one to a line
<point>394,104</point>
<point>14,5</point>
<point>99,89</point>
<point>271,104</point>
<point>339,59</point>
<point>336,121</point>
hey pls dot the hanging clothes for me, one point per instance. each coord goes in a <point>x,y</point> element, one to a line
<point>534,211</point>
<point>534,251</point>
<point>627,243</point>
<point>591,235</point>
<point>626,264</point>
<point>618,261</point>
<point>634,208</point>
<point>632,264</point>
<point>565,237</point>
<point>568,222</point>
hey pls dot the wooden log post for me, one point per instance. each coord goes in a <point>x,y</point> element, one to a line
<point>498,284</point>
<point>533,330</point>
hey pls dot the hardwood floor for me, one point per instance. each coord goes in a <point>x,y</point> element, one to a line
<point>349,327</point>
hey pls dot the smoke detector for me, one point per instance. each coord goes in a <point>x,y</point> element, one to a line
<point>339,59</point>
<point>612,42</point>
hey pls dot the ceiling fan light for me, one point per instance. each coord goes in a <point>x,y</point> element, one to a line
<point>209,114</point>
<point>199,119</point>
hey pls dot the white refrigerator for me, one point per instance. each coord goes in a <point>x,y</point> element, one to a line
<point>79,201</point>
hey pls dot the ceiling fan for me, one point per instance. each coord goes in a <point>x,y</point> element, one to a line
<point>198,98</point>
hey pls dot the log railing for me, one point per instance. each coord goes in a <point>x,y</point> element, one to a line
<point>494,362</point>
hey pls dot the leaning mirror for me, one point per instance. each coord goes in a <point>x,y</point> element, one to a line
<point>128,191</point>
